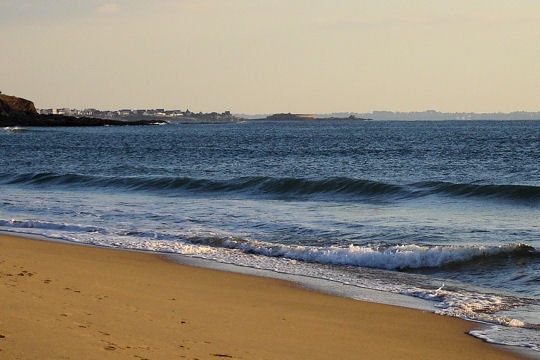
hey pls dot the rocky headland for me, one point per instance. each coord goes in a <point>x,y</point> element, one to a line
<point>16,111</point>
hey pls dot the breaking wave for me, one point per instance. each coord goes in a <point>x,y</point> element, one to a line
<point>395,257</point>
<point>388,257</point>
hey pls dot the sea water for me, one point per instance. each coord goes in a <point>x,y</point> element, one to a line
<point>447,213</point>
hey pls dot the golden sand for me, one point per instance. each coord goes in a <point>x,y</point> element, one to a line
<point>62,301</point>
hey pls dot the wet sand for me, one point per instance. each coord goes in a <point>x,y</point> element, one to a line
<point>63,301</point>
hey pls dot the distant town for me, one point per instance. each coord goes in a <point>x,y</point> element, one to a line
<point>149,114</point>
<point>189,116</point>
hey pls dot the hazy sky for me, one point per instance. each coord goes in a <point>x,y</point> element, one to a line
<point>267,56</point>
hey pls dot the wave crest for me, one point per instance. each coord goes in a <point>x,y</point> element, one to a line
<point>397,257</point>
<point>281,187</point>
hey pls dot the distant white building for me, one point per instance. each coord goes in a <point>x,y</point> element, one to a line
<point>46,111</point>
<point>63,111</point>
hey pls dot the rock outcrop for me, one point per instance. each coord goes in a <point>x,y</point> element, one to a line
<point>10,104</point>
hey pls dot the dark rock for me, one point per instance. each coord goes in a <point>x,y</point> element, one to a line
<point>10,104</point>
<point>61,120</point>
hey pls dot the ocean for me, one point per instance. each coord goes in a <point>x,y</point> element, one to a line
<point>442,215</point>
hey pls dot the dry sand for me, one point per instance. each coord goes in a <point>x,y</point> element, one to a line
<point>61,301</point>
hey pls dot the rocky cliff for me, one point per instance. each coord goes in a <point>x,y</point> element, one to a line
<point>11,104</point>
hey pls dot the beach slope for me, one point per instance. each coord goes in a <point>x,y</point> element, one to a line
<point>61,301</point>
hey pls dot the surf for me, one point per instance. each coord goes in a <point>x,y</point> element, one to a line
<point>342,188</point>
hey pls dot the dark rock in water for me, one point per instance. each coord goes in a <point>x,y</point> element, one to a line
<point>61,120</point>
<point>15,111</point>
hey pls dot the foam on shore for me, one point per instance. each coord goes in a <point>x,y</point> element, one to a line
<point>79,301</point>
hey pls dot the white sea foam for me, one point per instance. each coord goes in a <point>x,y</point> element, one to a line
<point>522,337</point>
<point>473,305</point>
<point>390,258</point>
<point>13,129</point>
<point>43,226</point>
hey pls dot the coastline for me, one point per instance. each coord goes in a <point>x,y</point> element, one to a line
<point>71,301</point>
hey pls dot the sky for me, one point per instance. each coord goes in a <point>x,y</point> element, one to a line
<point>270,56</point>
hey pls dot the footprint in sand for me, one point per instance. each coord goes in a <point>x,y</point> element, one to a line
<point>25,273</point>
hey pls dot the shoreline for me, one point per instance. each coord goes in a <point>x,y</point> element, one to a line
<point>72,301</point>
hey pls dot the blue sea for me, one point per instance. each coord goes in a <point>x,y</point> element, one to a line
<point>443,214</point>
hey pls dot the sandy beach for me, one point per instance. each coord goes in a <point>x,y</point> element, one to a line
<point>62,301</point>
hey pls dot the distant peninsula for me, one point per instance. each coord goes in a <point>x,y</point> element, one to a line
<point>16,111</point>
